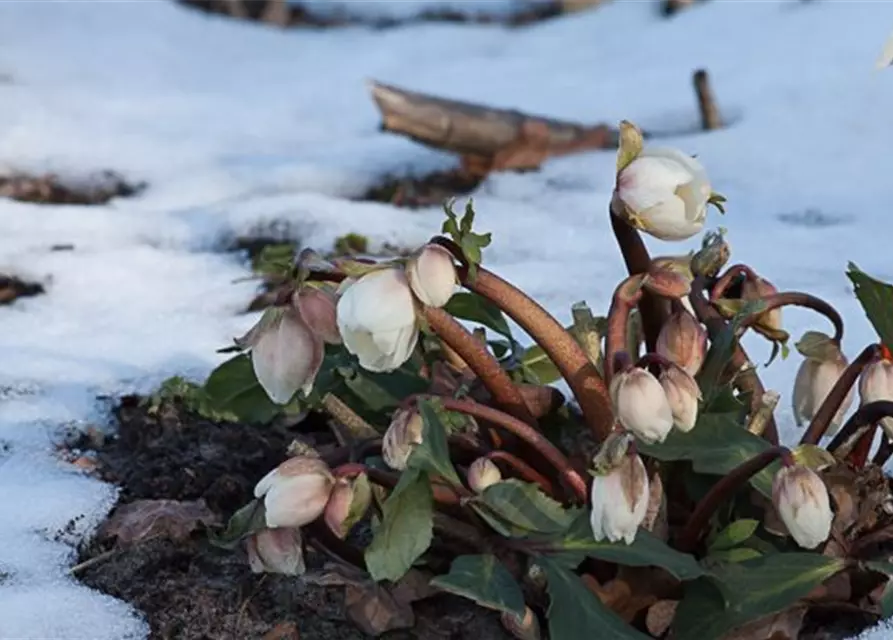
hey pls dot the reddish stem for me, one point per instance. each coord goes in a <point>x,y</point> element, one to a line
<point>523,469</point>
<point>443,494</point>
<point>722,491</point>
<point>481,361</point>
<point>796,298</point>
<point>627,294</point>
<point>868,414</point>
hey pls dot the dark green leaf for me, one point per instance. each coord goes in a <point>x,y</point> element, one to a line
<point>524,506</point>
<point>484,580</point>
<point>474,308</point>
<point>646,550</point>
<point>721,349</point>
<point>716,445</point>
<point>734,534</point>
<point>405,531</point>
<point>232,387</point>
<point>249,519</point>
<point>739,554</point>
<point>381,391</point>
<point>755,588</point>
<point>500,347</point>
<point>537,367</point>
<point>433,454</point>
<point>876,298</point>
<point>575,612</point>
<point>886,600</point>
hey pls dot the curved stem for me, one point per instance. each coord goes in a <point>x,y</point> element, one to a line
<point>627,294</point>
<point>796,298</point>
<point>831,405</point>
<point>443,494</point>
<point>348,453</point>
<point>721,492</point>
<point>726,280</point>
<point>524,431</point>
<point>748,381</point>
<point>320,536</point>
<point>866,416</point>
<point>523,469</point>
<point>484,365</point>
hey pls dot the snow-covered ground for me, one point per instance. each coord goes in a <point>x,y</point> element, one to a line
<point>237,127</point>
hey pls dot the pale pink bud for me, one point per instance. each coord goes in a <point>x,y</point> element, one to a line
<point>619,500</point>
<point>802,502</point>
<point>814,381</point>
<point>667,283</point>
<point>348,504</point>
<point>432,275</point>
<point>276,551</point>
<point>317,308</point>
<point>757,288</point>
<point>377,320</point>
<point>295,492</point>
<point>640,404</point>
<point>876,383</point>
<point>665,193</point>
<point>525,627</point>
<point>683,341</point>
<point>683,395</point>
<point>482,473</point>
<point>401,438</point>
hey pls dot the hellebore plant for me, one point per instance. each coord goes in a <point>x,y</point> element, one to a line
<point>659,499</point>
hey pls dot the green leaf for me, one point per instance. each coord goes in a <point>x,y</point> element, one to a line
<point>537,367</point>
<point>646,550</point>
<point>379,391</point>
<point>630,145</point>
<point>721,348</point>
<point>886,600</point>
<point>575,612</point>
<point>232,387</point>
<point>876,298</point>
<point>484,580</point>
<point>716,445</point>
<point>524,507</point>
<point>739,554</point>
<point>433,453</point>
<point>474,308</point>
<point>249,519</point>
<point>734,534</point>
<point>755,588</point>
<point>406,528</point>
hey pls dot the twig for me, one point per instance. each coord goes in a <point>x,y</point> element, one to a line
<point>358,428</point>
<point>710,118</point>
<point>105,555</point>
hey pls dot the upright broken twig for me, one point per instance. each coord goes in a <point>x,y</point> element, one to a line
<point>710,118</point>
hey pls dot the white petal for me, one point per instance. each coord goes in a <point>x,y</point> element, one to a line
<point>286,357</point>
<point>432,276</point>
<point>650,181</point>
<point>297,500</point>
<point>263,486</point>
<point>379,301</point>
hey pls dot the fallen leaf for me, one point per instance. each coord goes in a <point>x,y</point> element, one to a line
<point>172,519</point>
<point>784,625</point>
<point>375,610</point>
<point>283,631</point>
<point>660,616</point>
<point>656,514</point>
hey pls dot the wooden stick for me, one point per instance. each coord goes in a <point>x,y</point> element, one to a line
<point>710,118</point>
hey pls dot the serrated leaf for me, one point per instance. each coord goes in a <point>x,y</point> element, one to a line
<point>646,550</point>
<point>474,308</point>
<point>876,298</point>
<point>757,588</point>
<point>525,507</point>
<point>484,580</point>
<point>433,454</point>
<point>405,531</point>
<point>575,612</point>
<point>249,519</point>
<point>630,146</point>
<point>233,388</point>
<point>734,534</point>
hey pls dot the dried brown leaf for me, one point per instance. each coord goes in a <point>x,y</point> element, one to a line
<point>780,626</point>
<point>283,631</point>
<point>656,516</point>
<point>143,519</point>
<point>660,616</point>
<point>375,610</point>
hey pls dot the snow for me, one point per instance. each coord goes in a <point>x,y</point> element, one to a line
<point>239,128</point>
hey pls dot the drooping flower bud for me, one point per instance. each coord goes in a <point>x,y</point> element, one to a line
<point>295,492</point>
<point>285,353</point>
<point>667,283</point>
<point>525,627</point>
<point>817,375</point>
<point>683,395</point>
<point>680,265</point>
<point>876,383</point>
<point>348,504</point>
<point>619,499</point>
<point>482,473</point>
<point>640,404</point>
<point>757,288</point>
<point>401,438</point>
<point>432,275</point>
<point>317,308</point>
<point>377,320</point>
<point>683,341</point>
<point>664,193</point>
<point>802,502</point>
<point>276,551</point>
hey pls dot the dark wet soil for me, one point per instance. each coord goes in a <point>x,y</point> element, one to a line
<point>423,191</point>
<point>191,590</point>
<point>12,288</point>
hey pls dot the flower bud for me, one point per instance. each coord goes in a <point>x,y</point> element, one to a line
<point>667,283</point>
<point>317,308</point>
<point>815,379</point>
<point>664,192</point>
<point>619,500</point>
<point>401,438</point>
<point>348,504</point>
<point>525,627</point>
<point>876,383</point>
<point>683,395</point>
<point>432,275</point>
<point>640,404</point>
<point>482,473</point>
<point>680,265</point>
<point>296,492</point>
<point>276,551</point>
<point>757,288</point>
<point>377,319</point>
<point>683,341</point>
<point>802,502</point>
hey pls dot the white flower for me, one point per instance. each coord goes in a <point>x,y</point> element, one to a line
<point>640,404</point>
<point>814,381</point>
<point>482,473</point>
<point>683,395</point>
<point>619,501</point>
<point>432,275</point>
<point>665,193</point>
<point>377,320</point>
<point>285,353</point>
<point>401,438</point>
<point>317,309</point>
<point>276,551</point>
<point>876,383</point>
<point>802,502</point>
<point>683,341</point>
<point>295,492</point>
